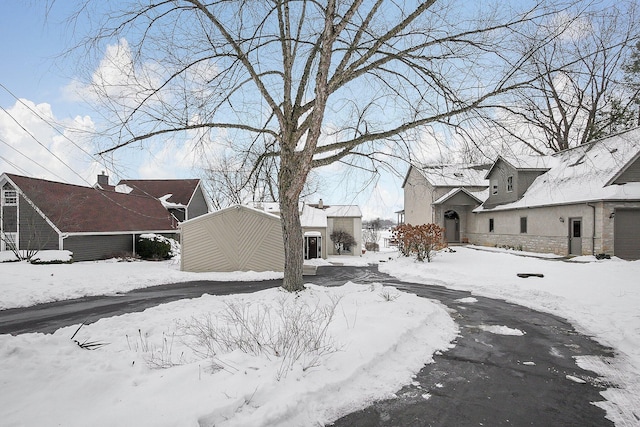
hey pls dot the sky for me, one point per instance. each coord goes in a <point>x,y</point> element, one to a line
<point>380,335</point>
<point>44,124</point>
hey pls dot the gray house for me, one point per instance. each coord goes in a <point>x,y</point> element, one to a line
<point>444,195</point>
<point>581,201</point>
<point>92,222</point>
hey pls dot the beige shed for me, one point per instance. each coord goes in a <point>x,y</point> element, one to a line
<point>238,238</point>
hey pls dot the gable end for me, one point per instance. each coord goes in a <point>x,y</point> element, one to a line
<point>630,173</point>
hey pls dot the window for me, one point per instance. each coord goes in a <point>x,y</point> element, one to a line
<point>9,197</point>
<point>523,224</point>
<point>509,184</point>
<point>491,225</point>
<point>494,188</point>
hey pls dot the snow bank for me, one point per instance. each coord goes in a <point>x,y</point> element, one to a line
<point>380,343</point>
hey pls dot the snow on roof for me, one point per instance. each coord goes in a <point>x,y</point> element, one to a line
<point>454,191</point>
<point>454,175</point>
<point>583,174</point>
<point>531,162</point>
<point>343,211</point>
<point>313,218</point>
<point>169,205</point>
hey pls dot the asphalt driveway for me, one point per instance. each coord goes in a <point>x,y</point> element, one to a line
<point>487,379</point>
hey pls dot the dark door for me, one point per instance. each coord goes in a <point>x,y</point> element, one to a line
<point>626,240</point>
<point>312,247</point>
<point>451,226</point>
<point>575,236</point>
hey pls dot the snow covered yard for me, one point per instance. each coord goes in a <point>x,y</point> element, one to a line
<point>23,284</point>
<point>380,340</point>
<point>153,372</point>
<point>370,342</point>
<point>599,298</point>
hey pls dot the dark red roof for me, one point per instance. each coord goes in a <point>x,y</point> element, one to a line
<point>76,209</point>
<point>181,190</point>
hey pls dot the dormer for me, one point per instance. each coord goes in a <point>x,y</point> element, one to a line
<point>508,182</point>
<point>628,173</point>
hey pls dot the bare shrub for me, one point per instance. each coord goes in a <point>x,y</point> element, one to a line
<point>293,331</point>
<point>157,357</point>
<point>388,295</point>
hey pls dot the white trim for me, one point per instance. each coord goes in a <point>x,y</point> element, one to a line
<point>35,208</point>
<point>312,234</point>
<point>113,233</point>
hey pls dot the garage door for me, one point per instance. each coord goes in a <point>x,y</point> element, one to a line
<point>627,233</point>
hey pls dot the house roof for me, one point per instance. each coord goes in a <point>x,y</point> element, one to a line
<point>312,217</point>
<point>584,174</point>
<point>452,175</point>
<point>346,211</point>
<point>174,192</point>
<point>476,196</point>
<point>78,209</point>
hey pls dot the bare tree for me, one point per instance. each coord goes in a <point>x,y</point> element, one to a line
<point>230,183</point>
<point>576,94</point>
<point>307,83</point>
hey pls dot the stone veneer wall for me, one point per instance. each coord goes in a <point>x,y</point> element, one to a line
<point>546,233</point>
<point>558,245</point>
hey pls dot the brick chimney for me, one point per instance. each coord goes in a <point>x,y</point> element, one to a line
<point>103,179</point>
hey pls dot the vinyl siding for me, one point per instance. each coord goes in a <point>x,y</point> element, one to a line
<point>10,219</point>
<point>632,174</point>
<point>234,239</point>
<point>35,232</point>
<point>88,248</point>
<point>198,205</point>
<point>524,181</point>
<point>499,175</point>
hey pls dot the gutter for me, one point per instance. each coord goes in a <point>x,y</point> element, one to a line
<point>593,231</point>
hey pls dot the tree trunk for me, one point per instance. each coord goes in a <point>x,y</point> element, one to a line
<point>293,244</point>
<point>291,177</point>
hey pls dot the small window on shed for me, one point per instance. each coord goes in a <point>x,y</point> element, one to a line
<point>509,184</point>
<point>494,188</point>
<point>523,224</point>
<point>491,225</point>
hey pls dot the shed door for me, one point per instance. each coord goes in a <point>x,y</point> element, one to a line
<point>626,240</point>
<point>575,236</point>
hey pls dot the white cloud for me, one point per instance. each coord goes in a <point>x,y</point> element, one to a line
<point>34,142</point>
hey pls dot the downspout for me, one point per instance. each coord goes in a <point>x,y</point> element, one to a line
<point>593,231</point>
